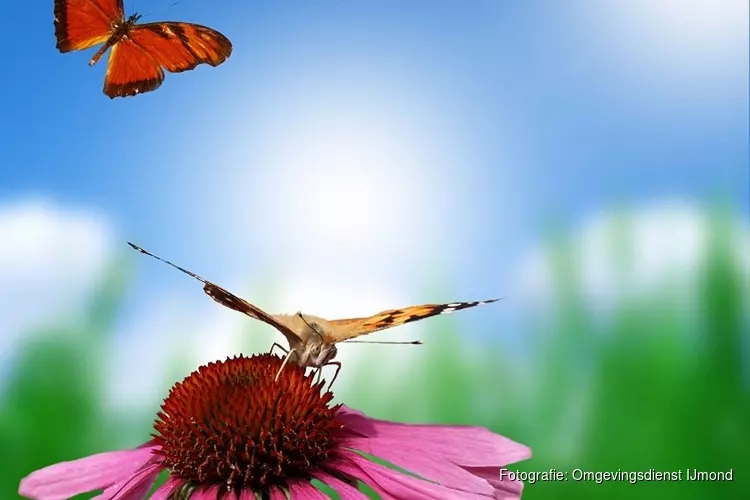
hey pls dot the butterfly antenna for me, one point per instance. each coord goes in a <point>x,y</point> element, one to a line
<point>302,316</point>
<point>410,342</point>
<point>161,9</point>
<point>146,252</point>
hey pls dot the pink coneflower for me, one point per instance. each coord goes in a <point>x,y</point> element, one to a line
<point>229,431</point>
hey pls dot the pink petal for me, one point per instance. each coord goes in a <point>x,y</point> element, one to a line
<point>67,479</point>
<point>422,460</point>
<point>396,485</point>
<point>345,491</point>
<point>276,494</point>
<point>302,490</point>
<point>247,494</point>
<point>133,488</point>
<point>148,444</point>
<point>505,488</point>
<point>462,445</point>
<point>163,491</point>
<point>206,493</point>
<point>348,411</point>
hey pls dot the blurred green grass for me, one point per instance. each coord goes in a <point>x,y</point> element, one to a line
<point>659,385</point>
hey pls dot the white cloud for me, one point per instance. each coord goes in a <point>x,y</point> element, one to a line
<point>139,357</point>
<point>653,249</point>
<point>688,29</point>
<point>51,257</point>
<point>697,42</point>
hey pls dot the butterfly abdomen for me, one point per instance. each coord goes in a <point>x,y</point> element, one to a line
<point>99,53</point>
<point>120,30</point>
<point>118,35</point>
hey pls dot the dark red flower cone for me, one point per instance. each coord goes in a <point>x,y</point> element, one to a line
<point>230,431</point>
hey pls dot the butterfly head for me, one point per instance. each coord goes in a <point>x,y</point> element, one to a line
<point>121,28</point>
<point>316,350</point>
<point>316,354</point>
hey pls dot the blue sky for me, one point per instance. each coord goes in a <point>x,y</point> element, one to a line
<point>376,144</point>
<point>536,77</point>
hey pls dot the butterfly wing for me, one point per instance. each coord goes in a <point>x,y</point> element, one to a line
<point>230,300</point>
<point>182,46</point>
<point>136,66</point>
<point>80,24</point>
<point>131,71</point>
<point>343,329</point>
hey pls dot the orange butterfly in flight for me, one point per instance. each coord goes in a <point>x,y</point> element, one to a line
<point>312,340</point>
<point>139,51</point>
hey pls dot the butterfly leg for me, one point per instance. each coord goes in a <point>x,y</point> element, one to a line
<point>279,346</point>
<point>336,374</point>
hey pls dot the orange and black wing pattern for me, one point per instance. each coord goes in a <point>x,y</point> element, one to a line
<point>182,46</point>
<point>136,62</point>
<point>343,329</point>
<point>131,71</point>
<point>228,299</point>
<point>80,24</point>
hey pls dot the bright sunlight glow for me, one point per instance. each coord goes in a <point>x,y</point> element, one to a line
<point>358,183</point>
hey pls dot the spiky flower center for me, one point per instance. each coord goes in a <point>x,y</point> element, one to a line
<point>230,423</point>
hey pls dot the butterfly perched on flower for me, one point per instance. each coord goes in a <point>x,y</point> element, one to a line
<point>312,339</point>
<point>140,52</point>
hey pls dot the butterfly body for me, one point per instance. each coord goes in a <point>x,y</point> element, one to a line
<point>120,30</point>
<point>313,346</point>
<point>312,339</point>
<point>139,53</point>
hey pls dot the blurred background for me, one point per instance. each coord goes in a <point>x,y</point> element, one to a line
<point>586,160</point>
